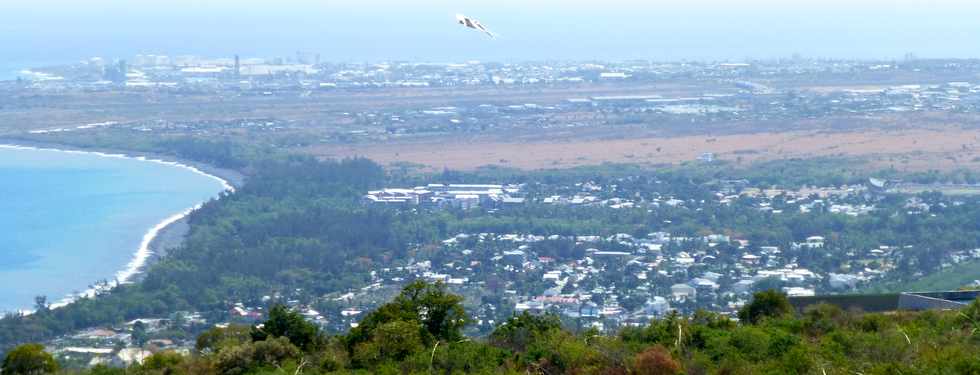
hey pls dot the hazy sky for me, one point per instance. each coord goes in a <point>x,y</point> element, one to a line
<point>349,30</point>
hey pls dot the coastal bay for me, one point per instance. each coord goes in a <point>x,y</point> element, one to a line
<point>69,219</point>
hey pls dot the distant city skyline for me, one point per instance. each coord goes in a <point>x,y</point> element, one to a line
<point>59,30</point>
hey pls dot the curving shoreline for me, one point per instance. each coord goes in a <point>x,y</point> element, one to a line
<point>144,253</point>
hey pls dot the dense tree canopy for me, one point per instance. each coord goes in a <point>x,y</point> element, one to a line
<point>285,323</point>
<point>28,359</point>
<point>423,315</point>
<point>765,304</point>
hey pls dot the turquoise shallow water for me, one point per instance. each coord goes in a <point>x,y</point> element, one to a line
<point>68,220</point>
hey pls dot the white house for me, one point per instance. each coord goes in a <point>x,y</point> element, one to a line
<point>683,292</point>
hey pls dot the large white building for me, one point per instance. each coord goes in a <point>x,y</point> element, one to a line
<point>464,196</point>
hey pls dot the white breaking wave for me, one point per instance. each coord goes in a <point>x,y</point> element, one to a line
<point>143,253</point>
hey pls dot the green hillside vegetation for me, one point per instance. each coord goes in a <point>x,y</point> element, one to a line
<point>419,332</point>
<point>951,278</point>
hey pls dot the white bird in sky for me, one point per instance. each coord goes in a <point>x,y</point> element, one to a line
<point>474,24</point>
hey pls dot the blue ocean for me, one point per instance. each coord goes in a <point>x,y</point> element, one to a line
<point>68,220</point>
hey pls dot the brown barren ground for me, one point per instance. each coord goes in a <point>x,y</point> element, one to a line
<point>903,149</point>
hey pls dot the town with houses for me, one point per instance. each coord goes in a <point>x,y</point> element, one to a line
<point>592,280</point>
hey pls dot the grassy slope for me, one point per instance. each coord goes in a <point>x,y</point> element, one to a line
<point>949,279</point>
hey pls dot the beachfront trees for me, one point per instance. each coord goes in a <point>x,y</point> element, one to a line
<point>28,359</point>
